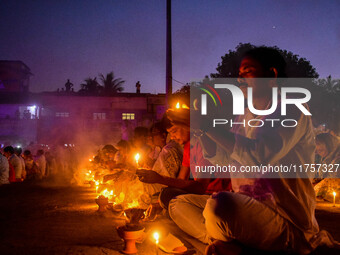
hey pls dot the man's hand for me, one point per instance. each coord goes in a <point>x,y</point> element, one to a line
<point>148,176</point>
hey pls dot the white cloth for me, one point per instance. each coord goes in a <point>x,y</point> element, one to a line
<point>15,161</point>
<point>168,164</point>
<point>227,216</point>
<point>292,198</point>
<point>169,160</point>
<point>4,170</point>
<point>41,163</point>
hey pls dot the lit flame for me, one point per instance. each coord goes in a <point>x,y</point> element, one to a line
<point>120,199</point>
<point>133,204</point>
<point>156,237</point>
<point>184,106</point>
<point>178,105</point>
<point>106,193</point>
<point>334,193</point>
<point>137,158</point>
<point>97,184</point>
<point>90,159</point>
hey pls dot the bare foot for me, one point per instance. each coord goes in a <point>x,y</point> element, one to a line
<point>223,248</point>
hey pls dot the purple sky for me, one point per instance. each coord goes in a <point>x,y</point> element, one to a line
<point>77,39</point>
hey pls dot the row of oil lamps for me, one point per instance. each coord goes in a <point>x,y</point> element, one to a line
<point>132,230</point>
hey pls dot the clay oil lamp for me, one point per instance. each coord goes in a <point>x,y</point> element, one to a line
<point>102,203</point>
<point>130,233</point>
<point>132,230</point>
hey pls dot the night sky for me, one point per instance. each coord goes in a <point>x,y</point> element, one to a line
<point>76,39</point>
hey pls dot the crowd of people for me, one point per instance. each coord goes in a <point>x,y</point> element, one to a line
<point>275,214</point>
<point>19,166</point>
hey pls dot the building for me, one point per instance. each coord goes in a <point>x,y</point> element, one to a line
<point>68,118</point>
<point>14,76</point>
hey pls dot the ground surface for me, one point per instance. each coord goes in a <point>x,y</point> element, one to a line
<point>42,219</point>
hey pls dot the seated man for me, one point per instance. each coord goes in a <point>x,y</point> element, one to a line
<point>181,184</point>
<point>328,148</point>
<point>263,213</point>
<point>139,144</point>
<point>108,153</point>
<point>122,156</point>
<point>168,162</point>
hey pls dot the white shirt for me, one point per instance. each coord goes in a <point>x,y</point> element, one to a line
<point>292,198</point>
<point>41,163</point>
<point>16,163</point>
<point>4,170</point>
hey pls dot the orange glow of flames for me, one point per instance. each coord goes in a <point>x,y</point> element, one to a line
<point>97,185</point>
<point>127,198</point>
<point>120,199</point>
<point>334,194</point>
<point>156,237</point>
<point>133,204</point>
<point>184,106</point>
<point>106,193</point>
<point>181,106</point>
<point>137,158</point>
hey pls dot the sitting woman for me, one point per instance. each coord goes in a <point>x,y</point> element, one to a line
<point>328,149</point>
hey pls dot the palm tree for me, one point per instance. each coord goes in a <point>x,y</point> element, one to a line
<point>110,84</point>
<point>329,84</point>
<point>91,86</point>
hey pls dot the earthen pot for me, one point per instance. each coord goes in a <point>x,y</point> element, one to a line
<point>102,203</point>
<point>130,233</point>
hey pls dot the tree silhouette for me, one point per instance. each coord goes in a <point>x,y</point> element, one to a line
<point>110,84</point>
<point>296,67</point>
<point>324,104</point>
<point>91,87</point>
<point>330,85</point>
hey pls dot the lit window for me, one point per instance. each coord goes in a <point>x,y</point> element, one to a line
<point>62,114</point>
<point>99,115</point>
<point>128,116</point>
